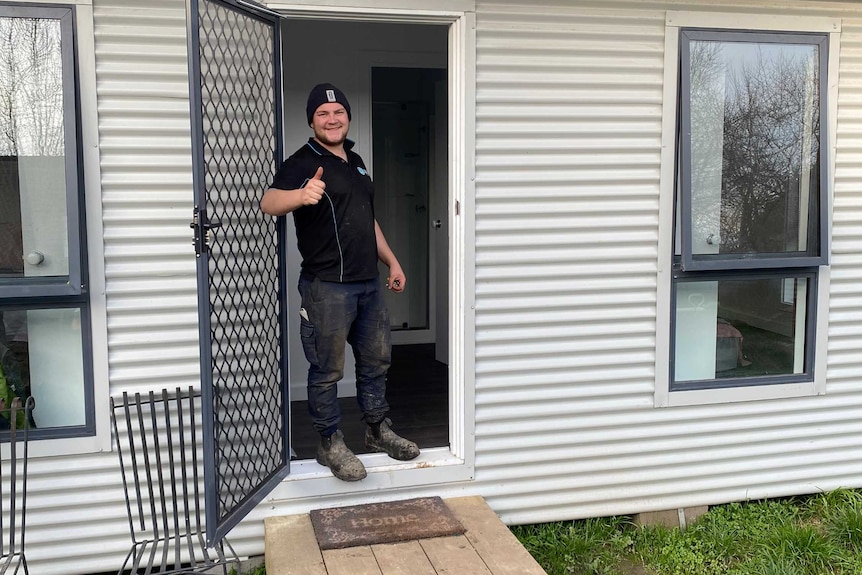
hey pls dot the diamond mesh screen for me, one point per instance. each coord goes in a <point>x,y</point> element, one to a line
<point>239,140</point>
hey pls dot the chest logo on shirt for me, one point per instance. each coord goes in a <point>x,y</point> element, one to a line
<point>362,170</point>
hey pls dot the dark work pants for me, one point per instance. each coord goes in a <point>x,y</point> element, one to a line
<point>337,314</point>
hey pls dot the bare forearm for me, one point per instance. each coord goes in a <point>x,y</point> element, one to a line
<point>276,202</point>
<point>396,280</point>
<point>384,252</point>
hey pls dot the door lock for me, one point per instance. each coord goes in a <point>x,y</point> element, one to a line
<point>202,231</point>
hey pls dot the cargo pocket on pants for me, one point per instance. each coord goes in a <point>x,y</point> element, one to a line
<point>306,334</point>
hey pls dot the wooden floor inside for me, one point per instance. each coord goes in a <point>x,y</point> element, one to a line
<point>417,389</point>
<point>487,548</point>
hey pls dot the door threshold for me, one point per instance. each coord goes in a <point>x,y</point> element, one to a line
<point>377,463</point>
<point>434,465</point>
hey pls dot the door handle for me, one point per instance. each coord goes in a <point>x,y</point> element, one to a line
<point>35,258</point>
<point>437,224</point>
<point>202,228</point>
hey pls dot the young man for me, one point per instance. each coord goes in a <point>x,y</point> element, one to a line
<point>327,188</point>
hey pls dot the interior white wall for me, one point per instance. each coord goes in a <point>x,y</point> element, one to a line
<point>342,53</point>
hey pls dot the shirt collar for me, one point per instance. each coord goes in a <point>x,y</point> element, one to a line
<point>315,145</point>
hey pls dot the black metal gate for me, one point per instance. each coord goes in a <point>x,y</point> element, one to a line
<point>236,137</point>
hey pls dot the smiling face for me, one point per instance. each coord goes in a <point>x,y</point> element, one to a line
<point>330,124</point>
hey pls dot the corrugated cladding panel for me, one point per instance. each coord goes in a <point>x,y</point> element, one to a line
<point>845,327</point>
<point>142,74</point>
<point>569,112</point>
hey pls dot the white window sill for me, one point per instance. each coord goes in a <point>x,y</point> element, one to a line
<point>66,446</point>
<point>737,394</point>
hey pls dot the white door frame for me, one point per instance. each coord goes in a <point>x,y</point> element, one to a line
<point>455,463</point>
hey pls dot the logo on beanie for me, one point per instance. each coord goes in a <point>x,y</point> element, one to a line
<point>330,96</point>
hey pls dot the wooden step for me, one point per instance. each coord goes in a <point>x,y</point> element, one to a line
<point>487,548</point>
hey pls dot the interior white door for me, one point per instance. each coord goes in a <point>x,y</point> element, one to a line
<point>401,204</point>
<point>439,205</point>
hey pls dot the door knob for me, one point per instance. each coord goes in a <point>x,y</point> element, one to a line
<point>35,258</point>
<point>437,224</point>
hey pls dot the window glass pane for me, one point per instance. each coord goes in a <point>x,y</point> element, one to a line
<point>33,232</point>
<point>41,355</point>
<point>740,328</point>
<point>755,146</point>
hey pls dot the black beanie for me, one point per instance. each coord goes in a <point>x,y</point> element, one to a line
<point>322,94</point>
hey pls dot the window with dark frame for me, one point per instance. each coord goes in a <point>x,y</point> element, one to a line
<point>45,343</point>
<point>750,219</point>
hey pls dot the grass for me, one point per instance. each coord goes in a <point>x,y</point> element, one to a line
<point>259,570</point>
<point>814,535</point>
<point>588,546</point>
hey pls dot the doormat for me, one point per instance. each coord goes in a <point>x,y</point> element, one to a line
<point>384,523</point>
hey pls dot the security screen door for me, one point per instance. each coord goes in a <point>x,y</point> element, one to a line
<point>236,138</point>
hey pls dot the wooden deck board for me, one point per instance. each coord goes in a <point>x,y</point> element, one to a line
<point>351,561</point>
<point>291,547</point>
<point>487,548</point>
<point>500,550</point>
<point>454,555</point>
<point>403,559</point>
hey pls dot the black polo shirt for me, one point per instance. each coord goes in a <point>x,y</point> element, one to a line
<point>336,236</point>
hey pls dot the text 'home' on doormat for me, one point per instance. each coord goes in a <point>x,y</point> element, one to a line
<point>390,522</point>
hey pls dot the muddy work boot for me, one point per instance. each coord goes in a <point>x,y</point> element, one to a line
<point>334,454</point>
<point>380,437</point>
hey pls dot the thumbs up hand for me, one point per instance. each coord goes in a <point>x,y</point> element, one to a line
<point>314,189</point>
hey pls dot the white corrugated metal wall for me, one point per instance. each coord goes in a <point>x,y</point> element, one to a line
<point>142,75</point>
<point>569,98</point>
<point>569,104</point>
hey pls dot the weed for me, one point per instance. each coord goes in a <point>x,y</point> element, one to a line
<point>259,570</point>
<point>773,566</point>
<point>803,545</point>
<point>843,521</point>
<point>588,547</point>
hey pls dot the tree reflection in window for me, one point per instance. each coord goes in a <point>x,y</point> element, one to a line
<point>755,127</point>
<point>31,88</point>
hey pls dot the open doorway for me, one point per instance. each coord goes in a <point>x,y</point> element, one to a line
<point>395,78</point>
